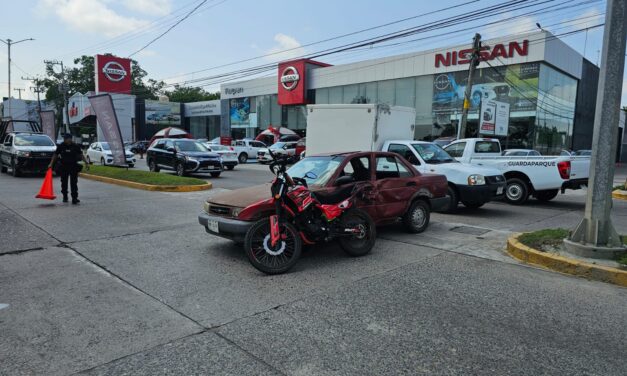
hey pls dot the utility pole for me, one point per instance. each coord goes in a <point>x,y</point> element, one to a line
<point>9,42</point>
<point>64,89</point>
<point>19,90</point>
<point>38,88</point>
<point>474,61</point>
<point>595,235</point>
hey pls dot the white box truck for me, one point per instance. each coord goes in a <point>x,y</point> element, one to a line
<point>356,127</point>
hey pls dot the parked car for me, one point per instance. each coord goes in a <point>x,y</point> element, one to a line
<point>229,156</point>
<point>136,146</point>
<point>394,189</point>
<point>100,152</point>
<point>583,153</point>
<point>285,148</point>
<point>247,149</point>
<point>26,152</point>
<point>183,156</point>
<point>521,153</point>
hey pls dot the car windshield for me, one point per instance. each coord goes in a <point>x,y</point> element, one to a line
<point>105,146</point>
<point>432,153</point>
<point>189,146</point>
<point>319,169</point>
<point>278,145</point>
<point>33,140</point>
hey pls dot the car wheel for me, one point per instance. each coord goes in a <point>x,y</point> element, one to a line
<point>453,200</point>
<point>215,174</point>
<point>546,195</point>
<point>243,158</point>
<point>230,168</point>
<point>153,166</point>
<point>516,192</point>
<point>473,205</point>
<point>15,171</point>
<point>102,162</point>
<point>131,165</point>
<point>417,217</point>
<point>180,169</point>
<point>361,244</point>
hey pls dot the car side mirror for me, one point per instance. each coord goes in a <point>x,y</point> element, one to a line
<point>311,176</point>
<point>343,180</point>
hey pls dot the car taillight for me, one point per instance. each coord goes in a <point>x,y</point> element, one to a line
<point>564,169</point>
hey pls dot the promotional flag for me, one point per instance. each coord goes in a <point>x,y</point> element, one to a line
<point>47,124</point>
<point>102,105</point>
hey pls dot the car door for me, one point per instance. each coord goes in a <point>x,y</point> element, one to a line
<point>255,146</point>
<point>7,147</point>
<point>409,154</point>
<point>456,150</point>
<point>358,167</point>
<point>168,155</point>
<point>394,184</point>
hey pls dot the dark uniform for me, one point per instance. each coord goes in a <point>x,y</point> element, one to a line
<point>68,156</point>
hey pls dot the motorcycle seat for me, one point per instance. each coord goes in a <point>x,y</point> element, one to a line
<point>335,196</point>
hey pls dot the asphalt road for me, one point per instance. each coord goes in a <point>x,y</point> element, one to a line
<point>128,283</point>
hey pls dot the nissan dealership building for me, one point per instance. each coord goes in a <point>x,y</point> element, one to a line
<point>550,89</point>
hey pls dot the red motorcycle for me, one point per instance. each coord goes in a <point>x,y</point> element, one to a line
<point>273,245</point>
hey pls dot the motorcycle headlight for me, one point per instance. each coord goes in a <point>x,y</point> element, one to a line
<point>22,153</point>
<point>476,180</point>
<point>236,211</point>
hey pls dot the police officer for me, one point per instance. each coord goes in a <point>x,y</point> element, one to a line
<point>68,154</point>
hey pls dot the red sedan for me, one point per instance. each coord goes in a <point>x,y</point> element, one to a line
<point>395,191</point>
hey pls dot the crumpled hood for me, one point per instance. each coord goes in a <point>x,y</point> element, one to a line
<point>242,197</point>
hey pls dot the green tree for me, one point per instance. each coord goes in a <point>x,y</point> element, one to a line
<point>186,94</point>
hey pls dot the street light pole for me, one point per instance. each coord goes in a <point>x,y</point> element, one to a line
<point>595,235</point>
<point>9,42</point>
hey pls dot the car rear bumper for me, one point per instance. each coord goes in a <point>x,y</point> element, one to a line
<point>227,228</point>
<point>574,184</point>
<point>481,193</point>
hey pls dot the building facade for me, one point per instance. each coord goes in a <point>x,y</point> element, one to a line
<point>546,83</point>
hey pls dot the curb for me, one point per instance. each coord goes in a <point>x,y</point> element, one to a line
<point>565,265</point>
<point>148,187</point>
<point>619,194</point>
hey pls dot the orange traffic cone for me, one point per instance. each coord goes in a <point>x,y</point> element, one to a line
<point>47,192</point>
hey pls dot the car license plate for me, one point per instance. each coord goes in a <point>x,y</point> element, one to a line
<point>499,191</point>
<point>213,226</point>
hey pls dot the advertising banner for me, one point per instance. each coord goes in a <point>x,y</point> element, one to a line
<point>240,112</point>
<point>108,122</point>
<point>47,124</point>
<point>113,74</point>
<point>494,118</point>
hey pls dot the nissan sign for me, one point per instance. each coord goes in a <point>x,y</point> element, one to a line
<point>497,51</point>
<point>113,74</point>
<point>114,71</point>
<point>290,78</point>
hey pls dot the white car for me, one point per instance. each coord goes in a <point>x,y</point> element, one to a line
<point>228,155</point>
<point>100,152</point>
<point>286,148</point>
<point>247,149</point>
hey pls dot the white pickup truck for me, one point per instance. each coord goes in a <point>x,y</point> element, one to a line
<point>471,184</point>
<point>246,149</point>
<point>541,177</point>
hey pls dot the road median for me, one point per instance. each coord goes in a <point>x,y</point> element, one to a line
<point>148,181</point>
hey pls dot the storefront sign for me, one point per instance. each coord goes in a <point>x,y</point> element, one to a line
<point>494,120</point>
<point>497,51</point>
<point>234,91</point>
<point>113,74</point>
<point>108,123</point>
<point>206,108</point>
<point>290,78</point>
<point>292,85</point>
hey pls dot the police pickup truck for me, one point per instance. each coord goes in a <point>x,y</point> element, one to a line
<point>538,176</point>
<point>25,152</point>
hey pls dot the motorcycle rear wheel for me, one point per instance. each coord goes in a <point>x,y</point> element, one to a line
<point>272,259</point>
<point>362,244</point>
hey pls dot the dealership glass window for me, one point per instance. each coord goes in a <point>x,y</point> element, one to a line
<point>296,118</point>
<point>350,94</point>
<point>423,105</point>
<point>368,92</point>
<point>405,92</point>
<point>385,92</point>
<point>335,95</point>
<point>322,96</point>
<point>276,110</point>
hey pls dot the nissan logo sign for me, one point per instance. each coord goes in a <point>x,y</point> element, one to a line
<point>289,78</point>
<point>114,71</point>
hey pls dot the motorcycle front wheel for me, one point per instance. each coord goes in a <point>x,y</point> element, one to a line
<point>361,243</point>
<point>271,259</point>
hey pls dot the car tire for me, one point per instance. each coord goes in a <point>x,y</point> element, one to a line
<point>473,205</point>
<point>362,246</point>
<point>131,165</point>
<point>102,162</point>
<point>417,217</point>
<point>546,195</point>
<point>243,157</point>
<point>453,201</point>
<point>152,166</point>
<point>230,168</point>
<point>14,170</point>
<point>516,191</point>
<point>215,174</point>
<point>3,169</point>
<point>179,169</point>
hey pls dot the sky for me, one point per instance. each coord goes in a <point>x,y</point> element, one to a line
<point>222,32</point>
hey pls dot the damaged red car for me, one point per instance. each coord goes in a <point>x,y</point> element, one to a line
<point>394,191</point>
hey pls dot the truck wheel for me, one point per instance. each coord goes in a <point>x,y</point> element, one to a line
<point>243,158</point>
<point>454,200</point>
<point>516,192</point>
<point>546,195</point>
<point>417,217</point>
<point>14,170</point>
<point>473,205</point>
